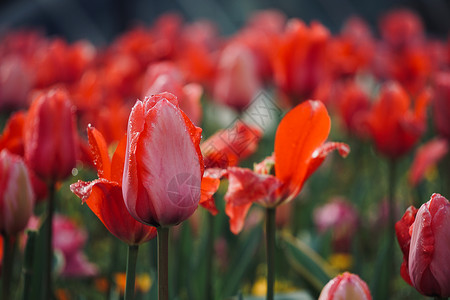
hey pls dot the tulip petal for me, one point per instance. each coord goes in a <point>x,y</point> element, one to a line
<point>322,152</point>
<point>99,150</point>
<point>299,134</point>
<point>118,160</point>
<point>237,214</point>
<point>209,186</point>
<point>12,136</point>
<point>105,200</point>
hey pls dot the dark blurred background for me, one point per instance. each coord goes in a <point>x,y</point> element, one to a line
<point>100,21</point>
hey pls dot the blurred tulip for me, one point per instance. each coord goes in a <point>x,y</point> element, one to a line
<point>339,216</point>
<point>401,27</point>
<point>17,197</point>
<point>353,104</point>
<point>426,157</point>
<point>425,246</point>
<point>441,104</point>
<point>393,125</point>
<point>104,195</point>
<point>50,135</point>
<point>16,81</point>
<point>346,286</point>
<point>299,63</point>
<point>237,81</point>
<point>298,153</point>
<point>163,163</point>
<point>166,77</point>
<point>12,136</point>
<point>69,239</point>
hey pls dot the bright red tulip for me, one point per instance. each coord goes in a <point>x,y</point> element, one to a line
<point>424,238</point>
<point>12,136</point>
<point>427,156</point>
<point>346,286</point>
<point>16,194</point>
<point>393,125</point>
<point>104,195</point>
<point>50,135</point>
<point>299,63</point>
<point>300,149</point>
<point>163,163</point>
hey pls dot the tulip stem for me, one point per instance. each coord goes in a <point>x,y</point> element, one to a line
<point>391,219</point>
<point>8,252</point>
<point>163,263</point>
<point>48,227</point>
<point>131,271</point>
<point>270,249</point>
<point>28,264</point>
<point>209,293</point>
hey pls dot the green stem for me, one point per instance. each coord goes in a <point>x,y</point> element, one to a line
<point>270,248</point>
<point>28,264</point>
<point>209,293</point>
<point>131,271</point>
<point>163,263</point>
<point>391,219</point>
<point>48,245</point>
<point>8,256</point>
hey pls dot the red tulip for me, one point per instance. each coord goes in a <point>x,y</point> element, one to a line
<point>424,238</point>
<point>427,156</point>
<point>300,149</point>
<point>441,104</point>
<point>393,125</point>
<point>12,136</point>
<point>16,194</point>
<point>104,195</point>
<point>299,63</point>
<point>163,163</point>
<point>50,135</point>
<point>346,286</point>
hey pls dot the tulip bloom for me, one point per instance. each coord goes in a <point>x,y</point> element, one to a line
<point>346,286</point>
<point>424,238</point>
<point>392,124</point>
<point>163,163</point>
<point>104,195</point>
<point>300,149</point>
<point>50,138</point>
<point>16,194</point>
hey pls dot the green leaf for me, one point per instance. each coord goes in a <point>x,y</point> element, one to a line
<point>311,266</point>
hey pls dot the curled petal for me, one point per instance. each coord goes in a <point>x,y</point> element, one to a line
<point>237,214</point>
<point>209,186</point>
<point>322,152</point>
<point>404,239</point>
<point>246,186</point>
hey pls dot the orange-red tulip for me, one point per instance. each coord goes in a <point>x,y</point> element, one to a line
<point>300,149</point>
<point>104,195</point>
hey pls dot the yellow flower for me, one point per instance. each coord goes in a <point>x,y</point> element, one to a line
<point>341,261</point>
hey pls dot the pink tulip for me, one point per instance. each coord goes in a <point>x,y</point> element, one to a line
<point>429,264</point>
<point>163,163</point>
<point>346,286</point>
<point>16,193</point>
